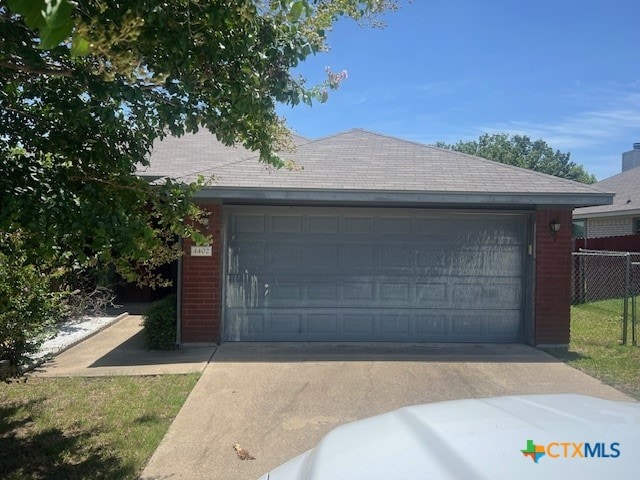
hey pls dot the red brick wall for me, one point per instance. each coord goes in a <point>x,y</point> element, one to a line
<point>553,278</point>
<point>202,286</point>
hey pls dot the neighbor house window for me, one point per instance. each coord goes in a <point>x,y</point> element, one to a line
<point>580,228</point>
<point>636,226</point>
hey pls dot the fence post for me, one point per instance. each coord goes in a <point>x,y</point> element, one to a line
<point>634,293</point>
<point>582,284</point>
<point>633,319</point>
<point>627,280</point>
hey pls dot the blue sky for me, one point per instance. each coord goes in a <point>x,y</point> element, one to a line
<point>565,71</point>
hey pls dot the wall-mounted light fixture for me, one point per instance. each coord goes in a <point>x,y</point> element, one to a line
<point>204,219</point>
<point>554,226</point>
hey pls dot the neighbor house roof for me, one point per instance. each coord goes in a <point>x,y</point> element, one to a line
<point>358,165</point>
<point>626,186</point>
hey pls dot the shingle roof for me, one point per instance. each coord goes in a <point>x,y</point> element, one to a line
<point>356,161</point>
<point>626,186</point>
<point>190,155</point>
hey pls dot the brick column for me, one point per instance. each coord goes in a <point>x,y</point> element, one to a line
<point>553,278</point>
<point>202,286</point>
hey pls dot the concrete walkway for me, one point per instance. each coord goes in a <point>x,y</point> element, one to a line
<point>279,401</point>
<point>120,350</point>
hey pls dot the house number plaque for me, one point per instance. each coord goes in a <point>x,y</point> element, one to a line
<point>204,251</point>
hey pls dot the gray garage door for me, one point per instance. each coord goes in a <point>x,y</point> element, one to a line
<point>328,274</point>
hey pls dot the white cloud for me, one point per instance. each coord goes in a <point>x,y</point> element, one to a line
<point>362,98</point>
<point>603,124</point>
<point>616,117</point>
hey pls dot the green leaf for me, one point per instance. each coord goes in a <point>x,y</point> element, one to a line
<point>80,46</point>
<point>50,38</point>
<point>52,19</point>
<point>296,10</point>
<point>30,10</point>
<point>58,14</point>
<point>306,51</point>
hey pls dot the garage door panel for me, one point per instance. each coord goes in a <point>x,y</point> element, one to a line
<point>321,292</point>
<point>484,231</point>
<point>283,323</point>
<point>284,258</point>
<point>360,225</point>
<point>255,322</point>
<point>246,325</point>
<point>249,257</point>
<point>460,233</point>
<point>322,224</point>
<point>358,258</point>
<point>432,295</point>
<point>341,274</point>
<point>465,260</point>
<point>433,227</point>
<point>321,323</point>
<point>247,223</point>
<point>467,324</point>
<point>286,224</point>
<point>505,232</point>
<point>432,258</point>
<point>487,296</point>
<point>394,325</point>
<point>506,324</point>
<point>434,324</point>
<point>395,257</point>
<point>282,294</point>
<point>395,225</point>
<point>494,261</point>
<point>484,262</point>
<point>357,324</point>
<point>322,258</point>
<point>358,291</point>
<point>395,292</point>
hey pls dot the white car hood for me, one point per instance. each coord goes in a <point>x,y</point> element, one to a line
<point>480,439</point>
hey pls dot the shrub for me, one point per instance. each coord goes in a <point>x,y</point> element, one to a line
<point>29,310</point>
<point>160,324</point>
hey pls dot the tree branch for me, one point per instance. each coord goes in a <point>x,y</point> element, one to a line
<point>23,113</point>
<point>36,71</point>
<point>102,181</point>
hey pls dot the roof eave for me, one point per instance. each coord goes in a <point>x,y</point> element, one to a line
<point>608,213</point>
<point>378,196</point>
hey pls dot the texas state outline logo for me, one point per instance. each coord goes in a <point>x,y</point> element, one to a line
<point>536,452</point>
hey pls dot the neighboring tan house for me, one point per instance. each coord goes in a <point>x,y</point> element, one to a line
<point>373,238</point>
<point>623,216</point>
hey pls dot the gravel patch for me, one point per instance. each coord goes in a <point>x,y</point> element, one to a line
<point>71,333</point>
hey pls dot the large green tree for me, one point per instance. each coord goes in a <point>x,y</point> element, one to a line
<point>85,90</point>
<point>87,87</point>
<point>521,151</point>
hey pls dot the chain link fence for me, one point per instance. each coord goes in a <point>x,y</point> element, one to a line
<point>599,275</point>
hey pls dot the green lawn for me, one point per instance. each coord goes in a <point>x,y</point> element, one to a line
<point>86,428</point>
<point>596,329</point>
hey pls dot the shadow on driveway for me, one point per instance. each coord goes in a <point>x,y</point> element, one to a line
<point>120,350</point>
<point>134,352</point>
<point>379,352</point>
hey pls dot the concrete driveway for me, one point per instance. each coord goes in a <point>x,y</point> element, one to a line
<point>278,401</point>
